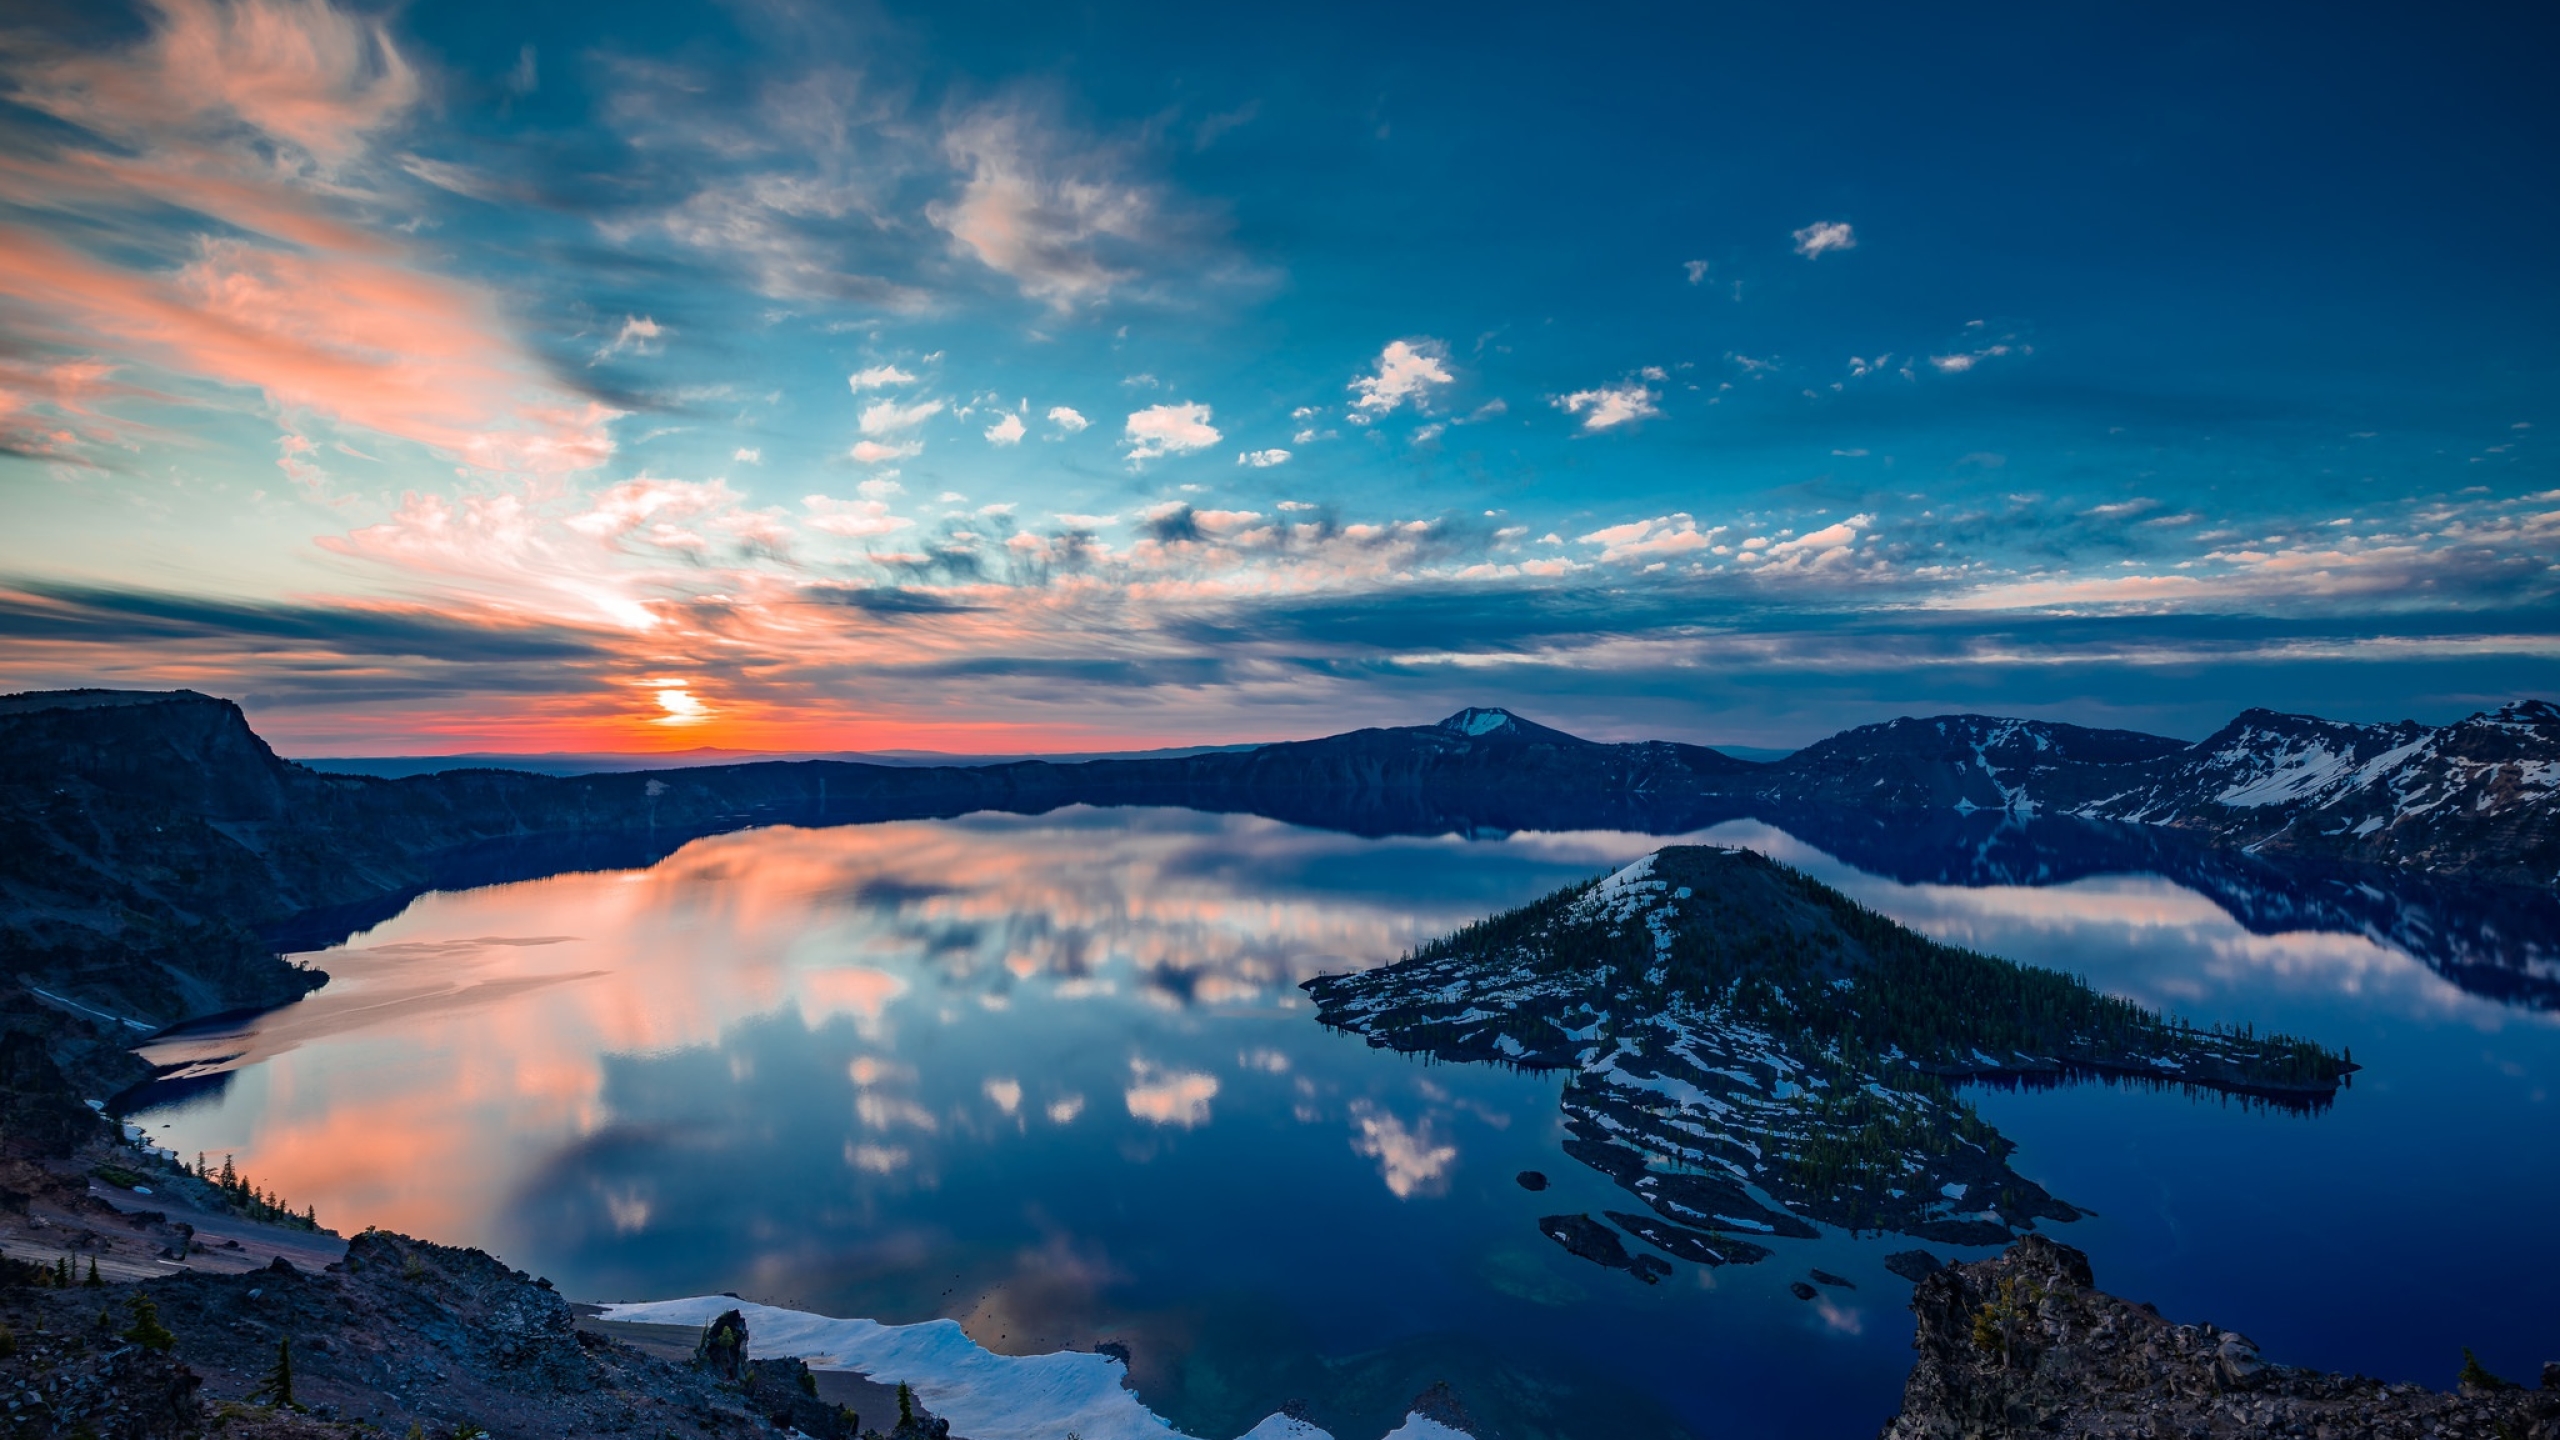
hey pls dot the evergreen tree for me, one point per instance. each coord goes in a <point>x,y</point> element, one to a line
<point>147,1330</point>
<point>93,1282</point>
<point>277,1388</point>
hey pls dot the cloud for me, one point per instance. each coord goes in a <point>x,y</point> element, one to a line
<point>1410,1160</point>
<point>853,519</point>
<point>1263,459</point>
<point>639,336</point>
<point>1067,419</point>
<point>357,339</point>
<point>248,123</point>
<point>748,455</point>
<point>301,73</point>
<point>1962,361</point>
<point>1405,373</point>
<point>888,417</point>
<point>874,452</point>
<point>878,377</point>
<point>1650,539</point>
<point>1825,235</point>
<point>1610,406</point>
<point>1007,431</point>
<point>1060,224</point>
<point>1169,430</point>
<point>1697,270</point>
<point>1169,1097</point>
<point>765,179</point>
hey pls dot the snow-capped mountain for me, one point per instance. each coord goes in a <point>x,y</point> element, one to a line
<point>2443,797</point>
<point>2479,797</point>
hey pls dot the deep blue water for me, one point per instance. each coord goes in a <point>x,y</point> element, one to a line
<point>1051,1076</point>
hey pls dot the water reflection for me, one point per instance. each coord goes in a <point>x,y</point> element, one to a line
<point>1052,1077</point>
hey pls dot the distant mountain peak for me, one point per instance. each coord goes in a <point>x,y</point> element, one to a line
<point>1482,720</point>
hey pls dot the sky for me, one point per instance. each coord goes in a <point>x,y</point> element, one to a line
<point>1006,378</point>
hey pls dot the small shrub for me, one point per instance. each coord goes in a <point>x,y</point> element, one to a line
<point>2476,1376</point>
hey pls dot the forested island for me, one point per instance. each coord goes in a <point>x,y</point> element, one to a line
<point>1732,1025</point>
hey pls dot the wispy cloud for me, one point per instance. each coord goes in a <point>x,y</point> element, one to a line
<point>1059,221</point>
<point>248,118</point>
<point>888,417</point>
<point>1824,236</point>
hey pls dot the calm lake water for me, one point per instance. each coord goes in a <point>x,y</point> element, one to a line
<point>1050,1076</point>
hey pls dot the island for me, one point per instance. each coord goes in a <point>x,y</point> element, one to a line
<point>1751,1053</point>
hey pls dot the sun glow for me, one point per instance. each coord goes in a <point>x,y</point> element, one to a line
<point>683,707</point>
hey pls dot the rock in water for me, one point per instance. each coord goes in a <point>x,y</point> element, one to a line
<point>2025,1344</point>
<point>1598,1244</point>
<point>1800,1290</point>
<point>1698,1247</point>
<point>1837,1282</point>
<point>1913,1265</point>
<point>1532,1180</point>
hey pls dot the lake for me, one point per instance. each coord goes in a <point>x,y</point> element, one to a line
<point>1051,1076</point>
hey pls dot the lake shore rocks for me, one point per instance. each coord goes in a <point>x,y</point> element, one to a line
<point>2026,1344</point>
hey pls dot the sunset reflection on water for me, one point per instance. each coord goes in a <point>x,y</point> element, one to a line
<point>1051,1077</point>
<point>460,1043</point>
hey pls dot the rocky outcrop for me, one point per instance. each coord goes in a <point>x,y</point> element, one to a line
<point>400,1333</point>
<point>2025,1344</point>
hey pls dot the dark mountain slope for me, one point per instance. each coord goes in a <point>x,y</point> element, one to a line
<point>1977,762</point>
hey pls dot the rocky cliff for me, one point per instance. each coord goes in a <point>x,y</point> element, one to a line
<point>2025,1344</point>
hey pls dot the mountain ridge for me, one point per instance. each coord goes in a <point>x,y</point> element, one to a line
<point>163,853</point>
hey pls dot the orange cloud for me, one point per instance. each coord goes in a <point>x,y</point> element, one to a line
<point>259,116</point>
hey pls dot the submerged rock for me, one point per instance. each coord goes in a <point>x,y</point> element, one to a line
<point>2025,1344</point>
<point>1913,1265</point>
<point>1532,1180</point>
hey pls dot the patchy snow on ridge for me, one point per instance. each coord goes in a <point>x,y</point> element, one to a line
<point>984,1395</point>
<point>1475,720</point>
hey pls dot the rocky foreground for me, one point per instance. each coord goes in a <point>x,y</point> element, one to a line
<point>2026,1344</point>
<point>124,1323</point>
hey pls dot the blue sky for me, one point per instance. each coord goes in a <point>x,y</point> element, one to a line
<point>981,377</point>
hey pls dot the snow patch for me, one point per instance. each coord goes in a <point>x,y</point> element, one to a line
<point>984,1395</point>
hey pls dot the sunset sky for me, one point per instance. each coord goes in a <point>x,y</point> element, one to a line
<point>464,376</point>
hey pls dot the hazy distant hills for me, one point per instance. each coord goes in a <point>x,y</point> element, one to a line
<point>160,852</point>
